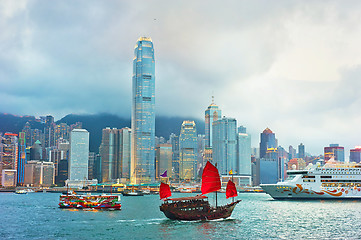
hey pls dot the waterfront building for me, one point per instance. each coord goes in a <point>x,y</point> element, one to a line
<point>301,151</point>
<point>268,170</point>
<point>79,154</point>
<point>174,141</point>
<point>8,153</point>
<point>39,173</point>
<point>355,154</point>
<point>336,151</point>
<point>164,159</point>
<point>109,152</point>
<point>125,152</point>
<point>62,172</point>
<point>21,159</point>
<point>268,140</point>
<point>244,154</point>
<point>8,178</point>
<point>188,151</point>
<point>225,145</point>
<point>91,165</point>
<point>143,112</point>
<point>212,114</point>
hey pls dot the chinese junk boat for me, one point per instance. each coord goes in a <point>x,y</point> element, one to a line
<point>198,207</point>
<point>89,202</point>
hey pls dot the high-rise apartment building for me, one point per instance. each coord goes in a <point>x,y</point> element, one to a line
<point>79,154</point>
<point>21,159</point>
<point>9,151</point>
<point>174,141</point>
<point>268,140</point>
<point>225,145</point>
<point>143,114</point>
<point>188,151</point>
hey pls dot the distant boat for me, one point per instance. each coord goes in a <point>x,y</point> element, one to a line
<point>89,202</point>
<point>133,193</point>
<point>198,207</point>
<point>21,191</point>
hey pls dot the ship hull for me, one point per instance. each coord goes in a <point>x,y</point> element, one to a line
<point>90,202</point>
<point>211,213</point>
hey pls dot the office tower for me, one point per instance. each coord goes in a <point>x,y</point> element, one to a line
<point>36,135</point>
<point>109,152</point>
<point>79,154</point>
<point>62,172</point>
<point>36,151</point>
<point>21,159</point>
<point>49,131</point>
<point>163,159</point>
<point>301,151</point>
<point>27,131</point>
<point>244,154</point>
<point>174,141</point>
<point>143,115</point>
<point>91,165</point>
<point>125,152</point>
<point>61,131</point>
<point>355,154</point>
<point>8,178</point>
<point>188,151</point>
<point>336,151</point>
<point>8,155</point>
<point>291,152</point>
<point>201,148</point>
<point>242,129</point>
<point>268,140</point>
<point>39,174</point>
<point>225,145</point>
<point>212,114</point>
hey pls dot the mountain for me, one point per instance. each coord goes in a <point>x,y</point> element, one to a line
<point>94,123</point>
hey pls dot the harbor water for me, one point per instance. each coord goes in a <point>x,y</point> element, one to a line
<point>258,216</point>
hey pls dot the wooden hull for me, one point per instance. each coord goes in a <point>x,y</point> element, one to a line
<point>172,211</point>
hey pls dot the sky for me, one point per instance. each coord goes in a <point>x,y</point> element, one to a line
<point>291,66</point>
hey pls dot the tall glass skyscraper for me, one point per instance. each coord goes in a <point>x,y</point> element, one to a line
<point>79,154</point>
<point>188,150</point>
<point>143,115</point>
<point>212,114</point>
<point>268,140</point>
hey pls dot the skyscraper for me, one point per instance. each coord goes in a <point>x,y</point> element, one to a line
<point>21,158</point>
<point>268,140</point>
<point>188,151</point>
<point>355,154</point>
<point>301,151</point>
<point>174,140</point>
<point>79,154</point>
<point>244,154</point>
<point>336,151</point>
<point>225,144</point>
<point>212,114</point>
<point>143,115</point>
<point>164,159</point>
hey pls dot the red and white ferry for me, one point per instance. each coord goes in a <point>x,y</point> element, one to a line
<point>87,202</point>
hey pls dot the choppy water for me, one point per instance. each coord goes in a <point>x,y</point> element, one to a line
<point>36,216</point>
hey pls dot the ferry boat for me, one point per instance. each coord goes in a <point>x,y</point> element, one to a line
<point>88,202</point>
<point>198,207</point>
<point>334,180</point>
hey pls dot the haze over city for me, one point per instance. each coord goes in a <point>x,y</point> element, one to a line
<point>291,66</point>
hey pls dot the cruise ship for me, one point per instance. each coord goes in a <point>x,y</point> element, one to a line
<point>334,180</point>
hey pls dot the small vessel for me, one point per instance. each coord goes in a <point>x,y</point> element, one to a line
<point>133,193</point>
<point>21,191</point>
<point>334,180</point>
<point>86,202</point>
<point>198,207</point>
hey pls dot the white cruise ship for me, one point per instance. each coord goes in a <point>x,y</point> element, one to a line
<point>334,180</point>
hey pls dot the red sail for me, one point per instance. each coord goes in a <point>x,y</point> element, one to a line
<point>211,181</point>
<point>164,191</point>
<point>231,190</point>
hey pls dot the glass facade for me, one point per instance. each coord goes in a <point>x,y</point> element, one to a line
<point>225,145</point>
<point>268,140</point>
<point>79,154</point>
<point>143,114</point>
<point>188,151</point>
<point>244,154</point>
<point>212,114</point>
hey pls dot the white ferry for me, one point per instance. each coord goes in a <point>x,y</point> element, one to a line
<point>334,180</point>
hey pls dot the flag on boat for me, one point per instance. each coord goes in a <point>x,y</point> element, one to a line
<point>164,174</point>
<point>231,190</point>
<point>164,191</point>
<point>230,172</point>
<point>211,181</point>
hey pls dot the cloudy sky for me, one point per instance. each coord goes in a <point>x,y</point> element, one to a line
<point>292,66</point>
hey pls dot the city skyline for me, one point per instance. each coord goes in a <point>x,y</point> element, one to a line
<point>293,68</point>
